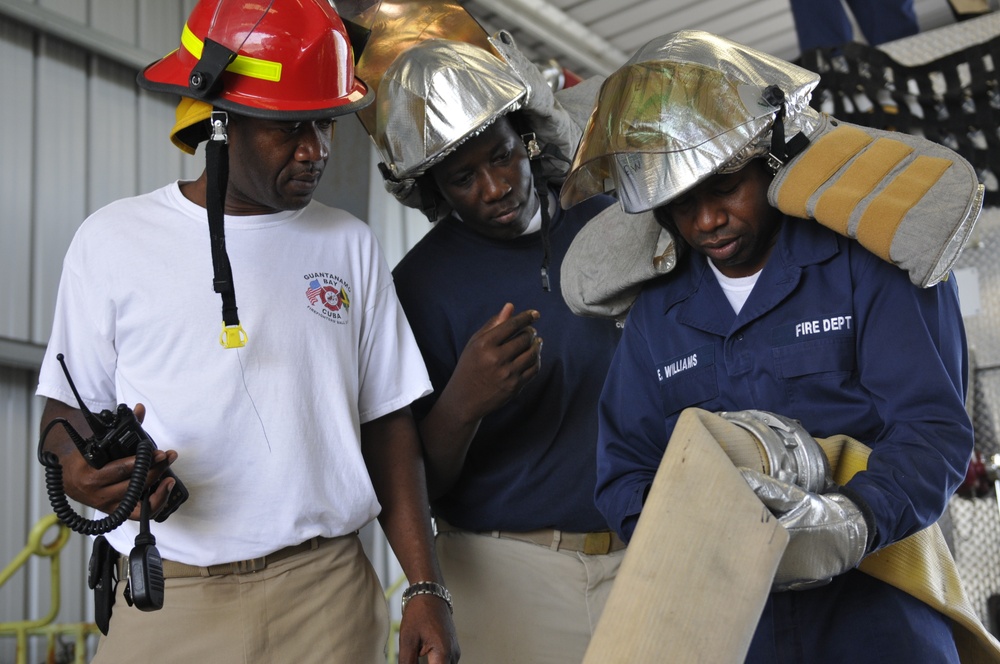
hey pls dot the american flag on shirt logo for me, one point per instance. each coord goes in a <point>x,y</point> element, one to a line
<point>314,291</point>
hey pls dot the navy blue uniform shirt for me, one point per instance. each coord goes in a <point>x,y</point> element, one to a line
<point>532,462</point>
<point>838,339</point>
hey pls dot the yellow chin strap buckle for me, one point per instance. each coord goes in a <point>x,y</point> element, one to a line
<point>233,336</point>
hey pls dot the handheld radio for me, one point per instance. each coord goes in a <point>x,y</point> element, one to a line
<point>117,435</point>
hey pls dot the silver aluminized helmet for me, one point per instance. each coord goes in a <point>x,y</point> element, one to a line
<point>434,96</point>
<point>686,106</point>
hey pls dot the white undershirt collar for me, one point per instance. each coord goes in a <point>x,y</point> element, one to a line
<point>737,289</point>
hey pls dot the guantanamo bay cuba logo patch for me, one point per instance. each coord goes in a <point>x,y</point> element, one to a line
<point>329,296</point>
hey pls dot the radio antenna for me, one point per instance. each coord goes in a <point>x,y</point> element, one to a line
<point>95,423</point>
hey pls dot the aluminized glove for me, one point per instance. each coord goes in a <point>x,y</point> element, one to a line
<point>827,532</point>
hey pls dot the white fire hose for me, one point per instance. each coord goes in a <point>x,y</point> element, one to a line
<point>687,570</point>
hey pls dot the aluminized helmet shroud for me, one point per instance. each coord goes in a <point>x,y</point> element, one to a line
<point>439,93</point>
<point>683,107</point>
<point>690,105</point>
<point>436,95</point>
<point>394,27</point>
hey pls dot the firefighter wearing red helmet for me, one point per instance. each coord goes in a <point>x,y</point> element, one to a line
<point>258,62</point>
<point>294,432</point>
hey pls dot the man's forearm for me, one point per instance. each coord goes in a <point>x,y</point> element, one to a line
<point>395,463</point>
<point>446,434</point>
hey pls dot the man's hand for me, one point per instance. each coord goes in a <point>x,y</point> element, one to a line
<point>498,361</point>
<point>496,364</point>
<point>427,631</point>
<point>101,488</point>
<point>391,449</point>
<point>827,532</point>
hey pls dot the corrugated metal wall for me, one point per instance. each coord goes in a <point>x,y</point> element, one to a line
<point>78,134</point>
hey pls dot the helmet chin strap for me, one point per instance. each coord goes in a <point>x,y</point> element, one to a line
<point>536,153</point>
<point>781,152</point>
<point>204,82</point>
<point>542,192</point>
<point>543,201</point>
<point>217,174</point>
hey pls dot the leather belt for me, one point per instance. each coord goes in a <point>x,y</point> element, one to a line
<point>176,570</point>
<point>591,544</point>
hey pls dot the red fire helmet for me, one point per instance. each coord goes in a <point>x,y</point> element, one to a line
<point>282,60</point>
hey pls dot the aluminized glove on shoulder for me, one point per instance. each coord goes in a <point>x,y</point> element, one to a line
<point>828,533</point>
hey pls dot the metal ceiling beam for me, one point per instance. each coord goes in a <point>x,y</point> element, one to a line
<point>564,33</point>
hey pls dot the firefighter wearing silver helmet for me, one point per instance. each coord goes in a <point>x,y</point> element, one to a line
<point>769,312</point>
<point>509,431</point>
<point>289,444</point>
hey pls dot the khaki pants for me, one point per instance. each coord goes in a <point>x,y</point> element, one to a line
<point>324,606</point>
<point>521,603</point>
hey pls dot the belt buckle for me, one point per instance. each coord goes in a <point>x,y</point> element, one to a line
<point>597,543</point>
<point>247,566</point>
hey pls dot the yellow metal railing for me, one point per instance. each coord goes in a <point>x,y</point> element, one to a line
<point>40,627</point>
<point>44,627</point>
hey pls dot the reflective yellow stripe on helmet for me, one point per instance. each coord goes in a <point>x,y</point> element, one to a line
<point>244,65</point>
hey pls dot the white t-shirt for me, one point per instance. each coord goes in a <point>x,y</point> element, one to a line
<point>737,289</point>
<point>267,435</point>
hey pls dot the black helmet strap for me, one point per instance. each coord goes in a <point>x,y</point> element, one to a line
<point>537,153</point>
<point>217,174</point>
<point>781,151</point>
